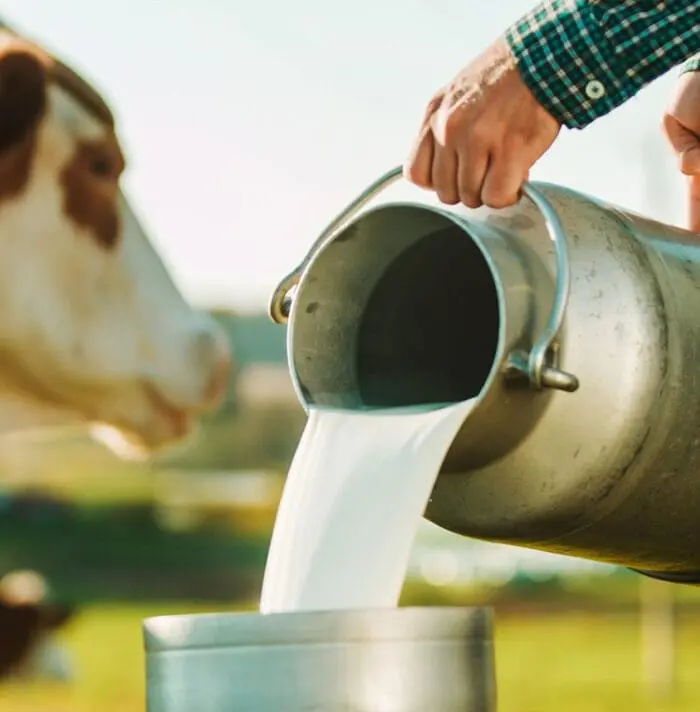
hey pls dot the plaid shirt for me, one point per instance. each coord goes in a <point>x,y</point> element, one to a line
<point>583,58</point>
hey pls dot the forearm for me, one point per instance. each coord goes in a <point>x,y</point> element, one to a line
<point>583,58</point>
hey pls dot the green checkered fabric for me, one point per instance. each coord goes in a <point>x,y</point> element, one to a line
<point>583,58</point>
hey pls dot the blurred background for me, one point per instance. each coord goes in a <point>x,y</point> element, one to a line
<point>247,126</point>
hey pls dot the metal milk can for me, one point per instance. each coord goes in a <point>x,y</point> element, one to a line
<point>575,325</point>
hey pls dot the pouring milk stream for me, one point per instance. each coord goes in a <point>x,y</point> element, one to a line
<point>354,496</point>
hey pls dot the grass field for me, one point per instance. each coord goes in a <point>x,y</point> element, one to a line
<point>562,663</point>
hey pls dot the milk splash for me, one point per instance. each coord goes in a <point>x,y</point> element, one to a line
<point>356,491</point>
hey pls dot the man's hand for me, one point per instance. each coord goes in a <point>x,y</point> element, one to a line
<point>481,134</point>
<point>681,124</point>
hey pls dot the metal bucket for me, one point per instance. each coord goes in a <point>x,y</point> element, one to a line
<point>573,324</point>
<point>393,660</point>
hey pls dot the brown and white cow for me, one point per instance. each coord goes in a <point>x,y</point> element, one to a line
<point>92,328</point>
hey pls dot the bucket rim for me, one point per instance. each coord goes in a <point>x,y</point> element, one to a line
<point>361,626</point>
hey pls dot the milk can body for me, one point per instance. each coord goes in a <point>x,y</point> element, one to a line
<point>612,471</point>
<point>416,302</point>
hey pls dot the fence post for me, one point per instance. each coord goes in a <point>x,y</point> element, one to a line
<point>658,636</point>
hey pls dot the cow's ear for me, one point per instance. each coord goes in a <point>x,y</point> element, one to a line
<point>23,89</point>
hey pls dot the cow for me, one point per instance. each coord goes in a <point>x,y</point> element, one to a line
<point>93,329</point>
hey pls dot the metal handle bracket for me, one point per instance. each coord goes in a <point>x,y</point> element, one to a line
<point>281,301</point>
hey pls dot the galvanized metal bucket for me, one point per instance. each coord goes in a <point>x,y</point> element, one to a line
<point>393,660</point>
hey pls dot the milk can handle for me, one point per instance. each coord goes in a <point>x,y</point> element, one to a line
<point>534,365</point>
<point>281,300</point>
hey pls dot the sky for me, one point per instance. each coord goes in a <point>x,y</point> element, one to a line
<point>248,125</point>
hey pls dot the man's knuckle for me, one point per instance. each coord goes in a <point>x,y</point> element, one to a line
<point>414,175</point>
<point>448,197</point>
<point>432,107</point>
<point>481,137</point>
<point>498,198</point>
<point>451,126</point>
<point>445,190</point>
<point>499,202</point>
<point>470,198</point>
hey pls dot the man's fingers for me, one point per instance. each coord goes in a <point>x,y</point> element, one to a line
<point>690,160</point>
<point>470,177</point>
<point>444,174</point>
<point>678,135</point>
<point>685,143</point>
<point>433,105</point>
<point>504,179</point>
<point>418,168</point>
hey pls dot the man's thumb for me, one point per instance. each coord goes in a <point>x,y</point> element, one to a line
<point>690,160</point>
<point>685,143</point>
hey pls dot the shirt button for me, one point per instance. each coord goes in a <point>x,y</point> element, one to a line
<point>595,89</point>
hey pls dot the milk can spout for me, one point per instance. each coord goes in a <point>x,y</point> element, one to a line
<point>537,366</point>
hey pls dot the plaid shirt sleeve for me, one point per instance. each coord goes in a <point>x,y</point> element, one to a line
<point>583,58</point>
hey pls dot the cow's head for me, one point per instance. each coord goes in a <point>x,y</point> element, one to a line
<point>91,323</point>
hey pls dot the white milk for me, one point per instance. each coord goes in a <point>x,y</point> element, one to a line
<point>356,491</point>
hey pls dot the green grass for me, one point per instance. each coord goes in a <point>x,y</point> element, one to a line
<point>562,663</point>
<point>587,663</point>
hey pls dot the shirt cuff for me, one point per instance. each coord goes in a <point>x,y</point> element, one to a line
<point>581,59</point>
<point>691,65</point>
